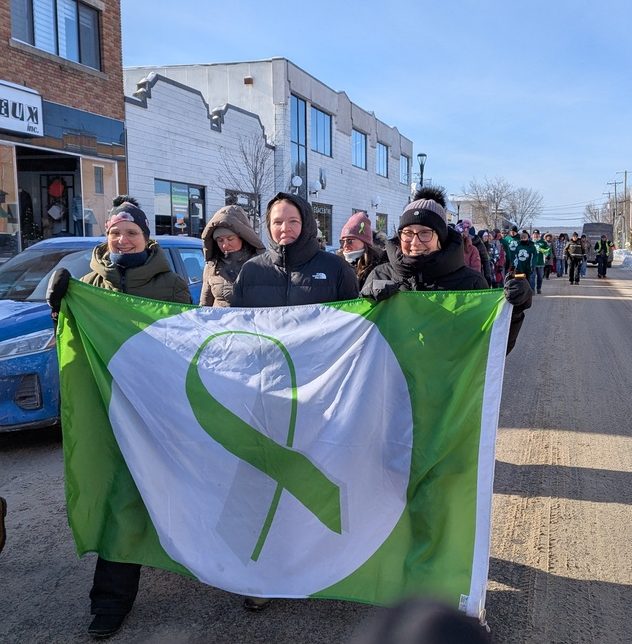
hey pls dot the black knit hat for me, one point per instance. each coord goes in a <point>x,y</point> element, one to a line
<point>425,212</point>
<point>128,212</point>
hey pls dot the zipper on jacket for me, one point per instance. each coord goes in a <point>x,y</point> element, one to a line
<point>288,280</point>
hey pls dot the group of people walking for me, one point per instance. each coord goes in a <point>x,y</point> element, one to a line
<point>425,254</point>
<point>497,254</point>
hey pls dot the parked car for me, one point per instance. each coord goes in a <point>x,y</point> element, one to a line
<point>29,377</point>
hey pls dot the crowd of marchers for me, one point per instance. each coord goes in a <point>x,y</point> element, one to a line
<point>499,253</point>
<point>424,254</point>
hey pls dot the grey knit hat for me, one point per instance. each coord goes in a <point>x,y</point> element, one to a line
<point>425,212</point>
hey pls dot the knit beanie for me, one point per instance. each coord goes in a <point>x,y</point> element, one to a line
<point>425,212</point>
<point>128,212</point>
<point>359,227</point>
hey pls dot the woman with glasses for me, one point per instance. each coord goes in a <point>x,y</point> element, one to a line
<point>427,255</point>
<point>229,242</point>
<point>356,246</point>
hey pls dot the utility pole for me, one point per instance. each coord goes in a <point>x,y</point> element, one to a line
<point>614,214</point>
<point>627,213</point>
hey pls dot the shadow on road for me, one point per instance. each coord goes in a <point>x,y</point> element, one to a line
<point>578,483</point>
<point>511,612</point>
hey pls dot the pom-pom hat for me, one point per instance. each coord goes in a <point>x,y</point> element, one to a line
<point>425,212</point>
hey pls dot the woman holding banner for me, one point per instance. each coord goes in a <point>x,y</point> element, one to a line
<point>427,255</point>
<point>132,263</point>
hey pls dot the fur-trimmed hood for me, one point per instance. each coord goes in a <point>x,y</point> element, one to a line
<point>234,218</point>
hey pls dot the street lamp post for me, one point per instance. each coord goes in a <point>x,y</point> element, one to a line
<point>421,159</point>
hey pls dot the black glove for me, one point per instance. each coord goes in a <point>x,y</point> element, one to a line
<point>57,287</point>
<point>518,291</point>
<point>381,290</point>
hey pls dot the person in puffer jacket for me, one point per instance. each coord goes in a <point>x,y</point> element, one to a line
<point>427,255</point>
<point>294,270</point>
<point>229,242</point>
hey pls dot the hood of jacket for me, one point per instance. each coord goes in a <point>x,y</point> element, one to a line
<point>234,218</point>
<point>428,268</point>
<point>306,244</point>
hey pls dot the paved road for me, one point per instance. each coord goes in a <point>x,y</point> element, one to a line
<point>561,568</point>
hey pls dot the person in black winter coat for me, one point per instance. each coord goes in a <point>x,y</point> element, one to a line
<point>427,255</point>
<point>294,270</point>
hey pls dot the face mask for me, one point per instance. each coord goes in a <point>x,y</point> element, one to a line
<point>353,255</point>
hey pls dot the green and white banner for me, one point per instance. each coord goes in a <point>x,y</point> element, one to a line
<point>338,451</point>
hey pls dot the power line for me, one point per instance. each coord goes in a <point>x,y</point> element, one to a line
<point>576,203</point>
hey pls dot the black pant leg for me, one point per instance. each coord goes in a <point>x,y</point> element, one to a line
<point>114,587</point>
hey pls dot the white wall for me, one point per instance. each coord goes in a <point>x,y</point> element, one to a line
<point>273,81</point>
<point>171,139</point>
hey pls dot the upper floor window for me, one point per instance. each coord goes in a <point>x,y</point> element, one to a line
<point>321,132</point>
<point>66,28</point>
<point>358,149</point>
<point>298,142</point>
<point>404,169</point>
<point>381,160</point>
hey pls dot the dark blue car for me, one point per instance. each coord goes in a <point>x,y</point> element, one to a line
<point>29,379</point>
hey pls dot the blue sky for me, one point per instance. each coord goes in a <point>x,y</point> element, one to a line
<point>537,92</point>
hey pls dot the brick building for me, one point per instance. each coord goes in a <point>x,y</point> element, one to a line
<point>62,132</point>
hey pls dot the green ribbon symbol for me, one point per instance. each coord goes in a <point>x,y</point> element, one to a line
<point>291,470</point>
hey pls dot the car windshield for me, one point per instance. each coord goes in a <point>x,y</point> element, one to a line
<point>25,276</point>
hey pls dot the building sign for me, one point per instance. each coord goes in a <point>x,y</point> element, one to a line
<point>20,109</point>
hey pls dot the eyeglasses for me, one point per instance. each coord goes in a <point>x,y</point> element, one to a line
<point>422,235</point>
<point>347,242</point>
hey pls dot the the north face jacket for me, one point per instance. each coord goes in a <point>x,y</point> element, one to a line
<point>296,273</point>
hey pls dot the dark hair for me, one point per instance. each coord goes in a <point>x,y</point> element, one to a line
<point>436,193</point>
<point>121,199</point>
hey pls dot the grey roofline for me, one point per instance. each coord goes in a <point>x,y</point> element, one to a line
<point>269,60</point>
<point>154,78</point>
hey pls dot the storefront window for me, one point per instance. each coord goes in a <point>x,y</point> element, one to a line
<point>9,221</point>
<point>178,208</point>
<point>98,188</point>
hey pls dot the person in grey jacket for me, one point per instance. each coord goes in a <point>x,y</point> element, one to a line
<point>294,270</point>
<point>229,242</point>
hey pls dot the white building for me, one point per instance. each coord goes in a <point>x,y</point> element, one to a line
<point>346,158</point>
<point>178,154</point>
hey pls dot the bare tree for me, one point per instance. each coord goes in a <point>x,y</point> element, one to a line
<point>594,213</point>
<point>249,171</point>
<point>490,199</point>
<point>523,206</point>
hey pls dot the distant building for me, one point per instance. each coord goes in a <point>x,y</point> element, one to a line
<point>180,155</point>
<point>343,157</point>
<point>62,136</point>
